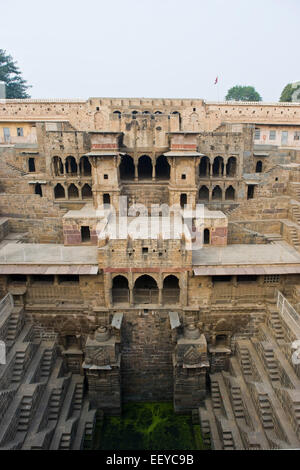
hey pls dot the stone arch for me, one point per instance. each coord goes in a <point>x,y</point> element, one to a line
<point>145,167</point>
<point>217,193</point>
<point>58,167</point>
<point>145,290</point>
<point>71,166</point>
<point>86,192</point>
<point>204,166</point>
<point>126,167</point>
<point>218,166</point>
<point>162,168</point>
<point>231,167</point>
<point>171,289</point>
<point>59,192</point>
<point>118,113</point>
<point>230,193</point>
<point>73,192</point>
<point>222,325</point>
<point>203,193</point>
<point>120,289</point>
<point>85,166</point>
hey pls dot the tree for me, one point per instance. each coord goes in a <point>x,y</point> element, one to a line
<point>288,91</point>
<point>16,86</point>
<point>243,93</point>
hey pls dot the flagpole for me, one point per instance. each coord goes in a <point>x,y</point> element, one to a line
<point>217,83</point>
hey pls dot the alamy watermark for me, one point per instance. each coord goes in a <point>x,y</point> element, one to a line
<point>160,221</point>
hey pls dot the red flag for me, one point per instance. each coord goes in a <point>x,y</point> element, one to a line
<point>216,80</point>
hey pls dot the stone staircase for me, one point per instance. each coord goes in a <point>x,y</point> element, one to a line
<point>275,323</point>
<point>245,361</point>
<point>215,395</point>
<point>296,213</point>
<point>237,402</point>
<point>265,411</point>
<point>47,361</point>
<point>295,190</point>
<point>255,404</point>
<point>14,325</point>
<point>293,235</point>
<point>227,438</point>
<point>54,404</point>
<point>271,364</point>
<point>18,366</point>
<point>25,412</point>
<point>41,406</point>
<point>18,170</point>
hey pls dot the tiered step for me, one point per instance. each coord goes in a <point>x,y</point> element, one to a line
<point>205,431</point>
<point>20,170</point>
<point>296,409</point>
<point>209,426</point>
<point>228,443</point>
<point>294,237</point>
<point>295,189</point>
<point>18,369</point>
<point>276,325</point>
<point>215,394</point>
<point>47,362</point>
<point>245,361</point>
<point>14,324</point>
<point>86,427</point>
<point>54,404</point>
<point>271,363</point>
<point>78,397</point>
<point>237,402</point>
<point>265,410</point>
<point>296,212</point>
<point>65,441</point>
<point>25,412</point>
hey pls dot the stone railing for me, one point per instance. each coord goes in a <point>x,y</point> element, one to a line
<point>120,295</point>
<point>247,293</point>
<point>145,296</point>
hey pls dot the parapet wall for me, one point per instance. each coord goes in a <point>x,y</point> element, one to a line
<point>195,114</point>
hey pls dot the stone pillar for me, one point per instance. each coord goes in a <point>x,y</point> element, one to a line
<point>190,365</point>
<point>108,290</point>
<point>183,289</point>
<point>160,289</point>
<point>136,170</point>
<point>102,368</point>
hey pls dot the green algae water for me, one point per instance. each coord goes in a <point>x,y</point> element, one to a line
<point>149,426</point>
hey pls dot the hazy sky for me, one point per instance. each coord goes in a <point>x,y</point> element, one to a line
<point>153,48</point>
